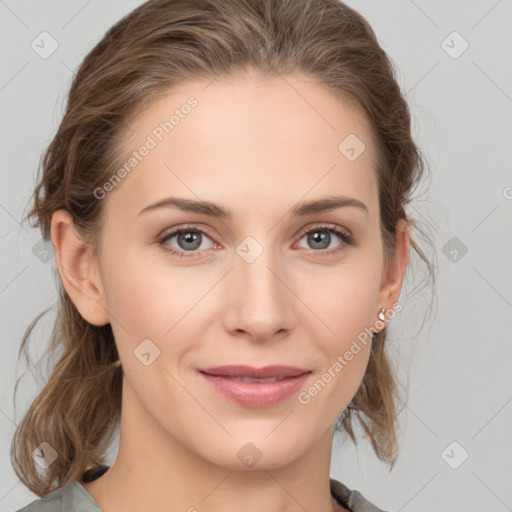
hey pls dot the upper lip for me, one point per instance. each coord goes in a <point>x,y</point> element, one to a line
<point>255,373</point>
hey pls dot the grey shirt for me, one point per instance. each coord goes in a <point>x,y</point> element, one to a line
<point>73,497</point>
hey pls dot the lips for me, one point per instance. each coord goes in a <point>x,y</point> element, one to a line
<point>246,373</point>
<point>256,387</point>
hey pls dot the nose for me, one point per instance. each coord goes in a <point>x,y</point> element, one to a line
<point>259,301</point>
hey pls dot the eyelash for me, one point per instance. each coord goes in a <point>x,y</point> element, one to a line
<point>330,228</point>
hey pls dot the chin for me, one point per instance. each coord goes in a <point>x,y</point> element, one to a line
<point>256,454</point>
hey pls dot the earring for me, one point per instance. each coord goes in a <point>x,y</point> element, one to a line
<point>381,314</point>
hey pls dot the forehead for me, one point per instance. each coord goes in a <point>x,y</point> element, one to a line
<point>243,140</point>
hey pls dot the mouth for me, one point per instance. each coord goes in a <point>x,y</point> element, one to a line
<point>250,379</point>
<point>256,387</point>
<point>278,372</point>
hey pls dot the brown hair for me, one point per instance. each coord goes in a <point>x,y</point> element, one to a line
<point>155,47</point>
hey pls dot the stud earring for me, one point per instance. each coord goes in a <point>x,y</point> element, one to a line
<point>381,314</point>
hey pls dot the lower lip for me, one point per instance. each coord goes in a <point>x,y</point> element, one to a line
<point>257,394</point>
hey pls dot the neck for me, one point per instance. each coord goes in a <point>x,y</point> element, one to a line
<point>155,471</point>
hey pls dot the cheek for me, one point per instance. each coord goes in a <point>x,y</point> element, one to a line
<point>347,349</point>
<point>345,300</point>
<point>152,302</point>
<point>347,307</point>
<point>133,296</point>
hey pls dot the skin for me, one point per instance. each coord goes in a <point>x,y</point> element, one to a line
<point>256,146</point>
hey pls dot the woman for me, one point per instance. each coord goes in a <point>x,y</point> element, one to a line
<point>272,138</point>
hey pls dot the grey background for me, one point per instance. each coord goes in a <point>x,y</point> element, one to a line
<point>458,367</point>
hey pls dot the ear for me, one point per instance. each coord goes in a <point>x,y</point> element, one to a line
<point>78,269</point>
<point>392,277</point>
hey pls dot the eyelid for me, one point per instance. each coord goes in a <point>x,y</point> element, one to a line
<point>184,227</point>
<point>167,234</point>
<point>327,226</point>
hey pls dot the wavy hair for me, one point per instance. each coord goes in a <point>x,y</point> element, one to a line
<point>157,46</point>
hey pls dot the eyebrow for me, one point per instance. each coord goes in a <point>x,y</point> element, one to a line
<point>299,210</point>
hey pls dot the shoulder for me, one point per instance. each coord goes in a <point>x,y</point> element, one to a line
<point>351,499</point>
<point>72,497</point>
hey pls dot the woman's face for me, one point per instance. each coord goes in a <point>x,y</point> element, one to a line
<point>249,288</point>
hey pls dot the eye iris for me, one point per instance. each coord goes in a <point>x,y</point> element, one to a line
<point>188,237</point>
<point>320,236</point>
